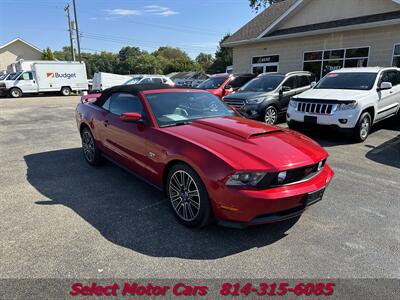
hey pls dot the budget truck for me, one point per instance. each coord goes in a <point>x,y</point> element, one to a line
<point>44,77</point>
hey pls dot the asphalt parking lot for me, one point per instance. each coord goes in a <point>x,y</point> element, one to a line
<point>60,218</point>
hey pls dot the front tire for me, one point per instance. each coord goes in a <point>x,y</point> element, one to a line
<point>363,127</point>
<point>90,151</point>
<point>15,93</point>
<point>271,115</point>
<point>188,196</point>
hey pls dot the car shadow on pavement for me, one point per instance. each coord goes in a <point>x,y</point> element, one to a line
<point>133,214</point>
<point>330,137</point>
<point>388,153</point>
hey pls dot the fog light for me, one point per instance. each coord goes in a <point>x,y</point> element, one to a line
<point>281,177</point>
<point>343,121</point>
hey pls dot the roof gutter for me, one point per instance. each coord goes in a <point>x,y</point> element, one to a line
<point>311,33</point>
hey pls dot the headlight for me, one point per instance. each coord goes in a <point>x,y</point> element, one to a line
<point>347,105</point>
<point>257,100</point>
<point>293,103</point>
<point>245,178</point>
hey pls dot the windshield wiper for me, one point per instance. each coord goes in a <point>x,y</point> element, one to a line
<point>176,124</point>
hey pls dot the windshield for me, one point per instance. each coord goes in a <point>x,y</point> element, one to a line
<point>13,76</point>
<point>2,77</point>
<point>263,84</point>
<point>134,80</point>
<point>175,108</point>
<point>348,81</point>
<point>212,83</point>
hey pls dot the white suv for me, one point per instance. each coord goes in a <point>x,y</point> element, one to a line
<point>353,98</point>
<point>150,79</point>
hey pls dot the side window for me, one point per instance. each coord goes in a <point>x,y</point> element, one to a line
<point>106,104</point>
<point>290,82</point>
<point>122,103</point>
<point>26,76</point>
<point>146,81</point>
<point>391,76</point>
<point>157,80</point>
<point>303,81</point>
<point>240,81</point>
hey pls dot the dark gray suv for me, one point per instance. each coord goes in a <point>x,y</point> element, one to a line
<point>267,96</point>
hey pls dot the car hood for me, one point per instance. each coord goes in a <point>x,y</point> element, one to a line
<point>248,95</point>
<point>251,145</point>
<point>341,95</point>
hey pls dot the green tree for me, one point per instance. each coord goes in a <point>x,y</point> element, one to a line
<point>64,54</point>
<point>47,54</point>
<point>205,60</point>
<point>258,4</point>
<point>223,58</point>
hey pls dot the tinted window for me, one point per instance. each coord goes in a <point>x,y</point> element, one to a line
<point>13,76</point>
<point>333,54</point>
<point>156,80</point>
<point>258,70</point>
<point>172,108</point>
<point>313,67</point>
<point>146,80</point>
<point>391,76</point>
<point>240,81</point>
<point>357,52</point>
<point>290,82</point>
<point>317,55</point>
<point>303,81</point>
<point>348,81</point>
<point>122,103</point>
<point>212,83</point>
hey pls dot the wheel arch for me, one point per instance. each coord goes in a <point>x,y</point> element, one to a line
<point>169,166</point>
<point>371,111</point>
<point>83,126</point>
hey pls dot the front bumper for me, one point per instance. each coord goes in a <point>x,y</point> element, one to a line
<point>252,111</point>
<point>335,119</point>
<point>241,208</point>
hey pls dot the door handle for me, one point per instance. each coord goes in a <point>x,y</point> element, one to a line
<point>106,123</point>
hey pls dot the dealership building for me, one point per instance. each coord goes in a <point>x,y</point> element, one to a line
<point>319,36</point>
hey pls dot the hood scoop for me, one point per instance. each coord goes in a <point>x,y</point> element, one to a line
<point>237,126</point>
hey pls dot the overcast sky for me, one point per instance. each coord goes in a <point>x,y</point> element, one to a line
<point>193,25</point>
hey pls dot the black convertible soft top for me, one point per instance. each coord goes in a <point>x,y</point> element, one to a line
<point>133,89</point>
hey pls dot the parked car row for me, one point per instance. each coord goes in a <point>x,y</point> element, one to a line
<point>352,99</point>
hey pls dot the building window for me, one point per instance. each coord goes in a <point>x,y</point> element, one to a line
<point>396,56</point>
<point>321,63</point>
<point>265,64</point>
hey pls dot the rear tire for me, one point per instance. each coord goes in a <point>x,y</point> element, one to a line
<point>188,196</point>
<point>15,93</point>
<point>66,91</point>
<point>90,151</point>
<point>363,127</point>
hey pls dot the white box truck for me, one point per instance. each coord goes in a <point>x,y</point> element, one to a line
<point>50,76</point>
<point>102,80</point>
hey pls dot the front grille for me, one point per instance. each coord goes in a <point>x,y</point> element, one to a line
<point>238,103</point>
<point>315,108</point>
<point>292,176</point>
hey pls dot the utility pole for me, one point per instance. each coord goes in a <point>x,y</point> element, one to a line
<point>71,38</point>
<point>77,32</point>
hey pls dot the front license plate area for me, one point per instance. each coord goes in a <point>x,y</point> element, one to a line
<point>310,119</point>
<point>314,197</point>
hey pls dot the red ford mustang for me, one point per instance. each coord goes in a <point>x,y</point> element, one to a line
<point>212,163</point>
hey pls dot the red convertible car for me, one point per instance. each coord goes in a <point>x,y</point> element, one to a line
<point>212,163</point>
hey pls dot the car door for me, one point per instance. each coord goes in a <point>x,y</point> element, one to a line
<point>124,141</point>
<point>288,90</point>
<point>388,100</point>
<point>27,83</point>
